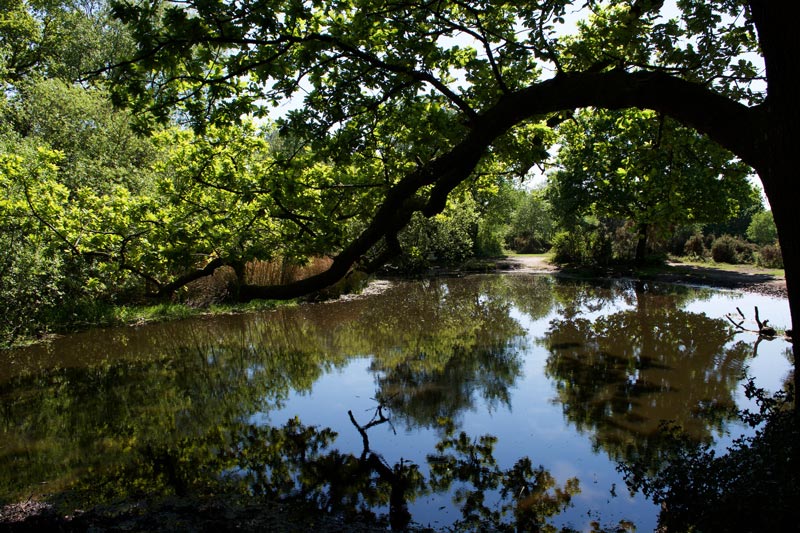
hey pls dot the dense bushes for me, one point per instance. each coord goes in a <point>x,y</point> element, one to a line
<point>446,238</point>
<point>769,256</point>
<point>29,288</point>
<point>728,249</point>
<point>585,244</point>
<point>603,243</point>
<point>733,250</point>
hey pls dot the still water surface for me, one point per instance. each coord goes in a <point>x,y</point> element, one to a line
<point>446,401</point>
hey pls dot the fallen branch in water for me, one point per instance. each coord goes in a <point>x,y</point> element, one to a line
<point>764,329</point>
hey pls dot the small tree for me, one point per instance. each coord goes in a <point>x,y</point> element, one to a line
<point>532,225</point>
<point>762,229</point>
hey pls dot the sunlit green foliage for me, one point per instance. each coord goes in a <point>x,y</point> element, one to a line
<point>447,238</point>
<point>62,39</point>
<point>73,175</point>
<point>532,226</point>
<point>762,229</point>
<point>406,117</point>
<point>75,188</point>
<point>644,168</point>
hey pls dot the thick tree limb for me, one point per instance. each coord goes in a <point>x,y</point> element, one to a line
<point>207,270</point>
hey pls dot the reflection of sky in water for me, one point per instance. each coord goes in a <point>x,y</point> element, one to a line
<point>770,367</point>
<point>533,425</point>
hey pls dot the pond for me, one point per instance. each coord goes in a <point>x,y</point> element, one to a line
<point>485,399</point>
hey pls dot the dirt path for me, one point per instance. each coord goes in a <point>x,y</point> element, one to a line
<point>745,277</point>
<point>526,264</point>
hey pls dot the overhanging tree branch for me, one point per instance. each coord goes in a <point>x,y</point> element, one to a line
<point>695,105</point>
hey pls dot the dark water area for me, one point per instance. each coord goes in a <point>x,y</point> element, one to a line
<point>471,402</point>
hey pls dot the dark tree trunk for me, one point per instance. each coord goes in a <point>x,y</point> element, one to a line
<point>641,243</point>
<point>780,42</point>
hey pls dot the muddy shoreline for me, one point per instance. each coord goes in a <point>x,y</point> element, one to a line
<point>745,278</point>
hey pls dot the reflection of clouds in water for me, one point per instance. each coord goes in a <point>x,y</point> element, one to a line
<point>564,469</point>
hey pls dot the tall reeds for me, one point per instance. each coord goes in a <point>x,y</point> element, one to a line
<point>222,285</point>
<point>281,272</point>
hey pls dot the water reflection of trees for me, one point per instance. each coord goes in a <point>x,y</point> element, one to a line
<point>528,495</point>
<point>297,464</point>
<point>619,375</point>
<point>442,345</point>
<point>128,391</point>
<point>173,414</point>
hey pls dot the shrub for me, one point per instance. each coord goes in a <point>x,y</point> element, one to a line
<point>746,251</point>
<point>769,256</point>
<point>568,247</point>
<point>695,246</point>
<point>488,241</point>
<point>582,245</point>
<point>724,250</point>
<point>727,249</point>
<point>447,238</point>
<point>31,284</point>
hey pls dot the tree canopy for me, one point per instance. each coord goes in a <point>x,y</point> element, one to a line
<point>407,101</point>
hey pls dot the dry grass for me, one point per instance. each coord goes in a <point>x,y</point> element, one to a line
<point>281,272</point>
<point>219,287</point>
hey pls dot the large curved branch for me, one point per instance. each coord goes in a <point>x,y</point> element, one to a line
<point>729,123</point>
<point>207,270</point>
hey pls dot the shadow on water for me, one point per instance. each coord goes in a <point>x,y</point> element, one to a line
<point>182,410</point>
